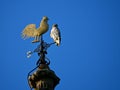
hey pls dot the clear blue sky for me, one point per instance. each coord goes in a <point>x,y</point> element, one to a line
<point>89,56</point>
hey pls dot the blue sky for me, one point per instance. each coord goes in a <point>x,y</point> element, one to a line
<point>89,55</point>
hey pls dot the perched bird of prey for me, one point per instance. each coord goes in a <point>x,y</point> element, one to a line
<point>55,34</point>
<point>31,30</point>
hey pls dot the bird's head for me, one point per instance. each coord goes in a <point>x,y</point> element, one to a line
<point>55,25</point>
<point>45,18</point>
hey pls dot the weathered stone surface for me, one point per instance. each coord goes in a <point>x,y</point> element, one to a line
<point>43,78</point>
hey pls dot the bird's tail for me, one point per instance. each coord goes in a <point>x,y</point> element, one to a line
<point>29,31</point>
<point>58,42</point>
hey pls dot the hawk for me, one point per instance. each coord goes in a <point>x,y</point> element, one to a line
<point>31,30</point>
<point>55,34</point>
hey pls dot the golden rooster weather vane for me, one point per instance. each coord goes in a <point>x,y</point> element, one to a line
<point>31,30</point>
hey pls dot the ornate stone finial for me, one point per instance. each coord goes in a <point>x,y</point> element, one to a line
<point>43,78</point>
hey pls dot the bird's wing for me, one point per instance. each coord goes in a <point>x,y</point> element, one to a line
<point>58,35</point>
<point>29,31</point>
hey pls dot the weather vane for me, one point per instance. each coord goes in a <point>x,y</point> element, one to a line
<point>43,78</point>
